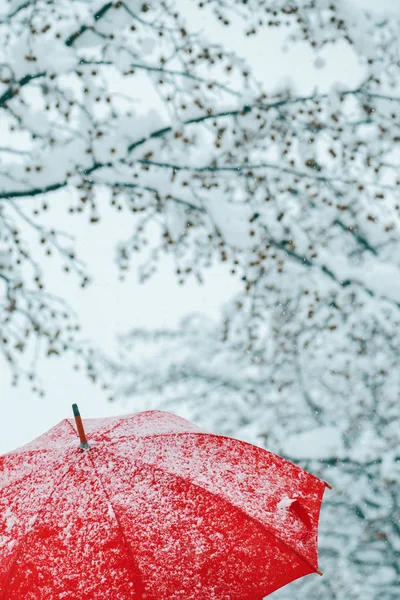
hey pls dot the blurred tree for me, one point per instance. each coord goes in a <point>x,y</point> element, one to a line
<point>288,189</point>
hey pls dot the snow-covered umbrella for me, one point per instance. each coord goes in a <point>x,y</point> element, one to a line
<point>152,508</point>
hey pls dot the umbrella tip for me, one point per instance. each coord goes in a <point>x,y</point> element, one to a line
<point>328,486</point>
<point>319,572</point>
<point>79,426</point>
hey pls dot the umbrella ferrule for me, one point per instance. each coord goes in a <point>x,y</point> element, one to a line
<point>79,425</point>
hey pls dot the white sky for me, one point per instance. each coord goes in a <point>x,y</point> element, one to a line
<point>109,307</point>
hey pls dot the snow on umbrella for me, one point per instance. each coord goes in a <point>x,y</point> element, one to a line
<point>152,508</point>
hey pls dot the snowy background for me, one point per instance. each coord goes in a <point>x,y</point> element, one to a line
<point>309,365</point>
<point>110,307</point>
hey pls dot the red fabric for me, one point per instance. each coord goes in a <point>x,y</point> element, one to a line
<point>155,510</point>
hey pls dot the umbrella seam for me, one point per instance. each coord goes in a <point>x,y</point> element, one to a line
<point>119,525</point>
<point>113,509</point>
<point>15,482</point>
<point>31,530</point>
<point>238,508</point>
<point>26,476</point>
<point>214,435</point>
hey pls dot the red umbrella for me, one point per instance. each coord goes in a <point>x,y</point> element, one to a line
<point>152,508</point>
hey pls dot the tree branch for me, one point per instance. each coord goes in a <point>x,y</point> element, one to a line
<point>14,89</point>
<point>328,272</point>
<point>97,15</point>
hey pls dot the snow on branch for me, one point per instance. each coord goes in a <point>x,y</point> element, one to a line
<point>127,103</point>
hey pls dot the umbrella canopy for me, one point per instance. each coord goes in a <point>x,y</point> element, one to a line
<point>154,509</point>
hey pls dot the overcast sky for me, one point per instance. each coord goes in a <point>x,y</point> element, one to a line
<point>109,307</point>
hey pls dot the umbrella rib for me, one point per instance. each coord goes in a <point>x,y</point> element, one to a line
<point>238,508</point>
<point>205,433</point>
<point>27,533</point>
<point>15,481</point>
<point>26,475</point>
<point>108,499</point>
